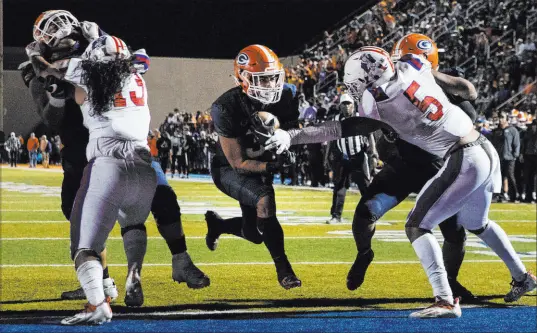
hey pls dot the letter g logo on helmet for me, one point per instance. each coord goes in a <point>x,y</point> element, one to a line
<point>424,45</point>
<point>243,59</point>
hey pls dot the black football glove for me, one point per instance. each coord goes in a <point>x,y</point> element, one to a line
<point>27,72</point>
<point>58,88</point>
<point>284,160</point>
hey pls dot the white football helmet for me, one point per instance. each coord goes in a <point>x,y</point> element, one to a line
<point>107,48</point>
<point>369,66</point>
<point>53,25</point>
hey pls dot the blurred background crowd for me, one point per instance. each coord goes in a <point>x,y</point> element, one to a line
<point>492,43</point>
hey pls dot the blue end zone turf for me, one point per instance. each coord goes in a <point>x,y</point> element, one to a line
<point>516,319</point>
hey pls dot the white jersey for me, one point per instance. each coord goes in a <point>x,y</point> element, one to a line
<point>417,108</point>
<point>128,118</point>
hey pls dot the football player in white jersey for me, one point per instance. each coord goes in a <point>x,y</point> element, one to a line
<point>405,98</point>
<point>119,182</point>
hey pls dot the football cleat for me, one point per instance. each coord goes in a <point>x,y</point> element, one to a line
<point>110,289</point>
<point>440,309</point>
<point>92,314</point>
<point>134,296</point>
<point>461,292</point>
<point>184,270</point>
<point>74,294</point>
<point>356,275</point>
<point>286,276</point>
<point>518,289</point>
<point>334,220</point>
<point>213,229</point>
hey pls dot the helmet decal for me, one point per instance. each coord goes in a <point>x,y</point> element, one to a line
<point>424,44</point>
<point>243,59</point>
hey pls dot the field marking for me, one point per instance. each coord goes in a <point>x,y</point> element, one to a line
<point>380,233</point>
<point>282,223</point>
<point>257,263</point>
<point>216,207</point>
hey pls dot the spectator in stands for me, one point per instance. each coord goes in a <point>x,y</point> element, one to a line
<point>310,114</point>
<point>45,147</point>
<point>32,146</point>
<point>152,142</point>
<point>529,159</point>
<point>506,140</point>
<point>12,146</point>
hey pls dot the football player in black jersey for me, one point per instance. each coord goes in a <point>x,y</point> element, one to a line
<point>59,35</point>
<point>244,118</point>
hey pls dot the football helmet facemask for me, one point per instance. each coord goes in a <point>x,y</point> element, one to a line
<point>368,67</point>
<point>53,25</point>
<point>260,73</point>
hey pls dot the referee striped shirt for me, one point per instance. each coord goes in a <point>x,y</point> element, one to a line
<point>352,145</point>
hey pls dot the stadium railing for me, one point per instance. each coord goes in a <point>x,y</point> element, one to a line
<point>515,100</point>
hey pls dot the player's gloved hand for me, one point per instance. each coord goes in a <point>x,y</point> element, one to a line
<point>27,72</point>
<point>281,140</point>
<point>90,30</point>
<point>58,89</point>
<point>286,159</point>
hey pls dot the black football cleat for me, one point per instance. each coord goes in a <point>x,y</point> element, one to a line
<point>213,229</point>
<point>460,291</point>
<point>290,281</point>
<point>184,270</point>
<point>76,294</point>
<point>356,275</point>
<point>286,276</point>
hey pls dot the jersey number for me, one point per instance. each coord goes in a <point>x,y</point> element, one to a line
<point>424,104</point>
<point>121,102</point>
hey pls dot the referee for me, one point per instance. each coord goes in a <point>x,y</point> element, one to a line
<point>350,160</point>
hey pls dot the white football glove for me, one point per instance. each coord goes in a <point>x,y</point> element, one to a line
<point>90,30</point>
<point>280,140</point>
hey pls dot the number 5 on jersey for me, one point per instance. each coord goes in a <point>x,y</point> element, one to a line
<point>121,102</point>
<point>424,104</point>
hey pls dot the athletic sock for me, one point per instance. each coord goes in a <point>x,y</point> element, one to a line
<point>232,226</point>
<point>497,240</point>
<point>174,237</point>
<point>135,245</point>
<point>430,255</point>
<point>105,273</point>
<point>90,276</point>
<point>272,236</point>
<point>453,254</point>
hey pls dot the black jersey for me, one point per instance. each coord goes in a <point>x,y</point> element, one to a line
<point>232,112</point>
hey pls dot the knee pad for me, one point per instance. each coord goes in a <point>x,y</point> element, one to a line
<point>140,227</point>
<point>480,230</point>
<point>414,233</point>
<point>164,207</point>
<point>83,255</point>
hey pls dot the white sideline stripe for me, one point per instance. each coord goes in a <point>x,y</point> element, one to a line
<point>200,237</point>
<point>257,263</point>
<point>216,207</point>
<point>282,223</point>
<point>156,237</point>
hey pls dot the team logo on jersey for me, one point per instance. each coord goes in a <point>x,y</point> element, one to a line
<point>424,45</point>
<point>243,59</point>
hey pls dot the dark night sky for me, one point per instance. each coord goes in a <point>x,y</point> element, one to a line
<point>191,28</point>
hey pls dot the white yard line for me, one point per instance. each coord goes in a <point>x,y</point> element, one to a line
<point>282,223</point>
<point>255,263</point>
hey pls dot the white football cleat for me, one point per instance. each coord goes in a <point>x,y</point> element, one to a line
<point>110,289</point>
<point>334,220</point>
<point>518,289</point>
<point>92,314</point>
<point>440,309</point>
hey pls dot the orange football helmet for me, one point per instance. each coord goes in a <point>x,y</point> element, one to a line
<point>260,73</point>
<point>416,44</point>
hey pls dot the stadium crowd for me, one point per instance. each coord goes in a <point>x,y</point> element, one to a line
<point>477,39</point>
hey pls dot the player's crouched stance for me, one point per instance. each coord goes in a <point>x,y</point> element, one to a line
<point>418,110</point>
<point>119,182</point>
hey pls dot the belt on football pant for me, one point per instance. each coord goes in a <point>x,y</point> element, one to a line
<point>456,147</point>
